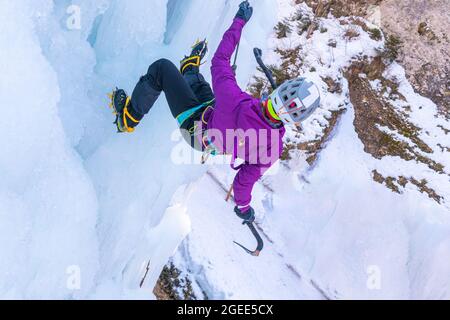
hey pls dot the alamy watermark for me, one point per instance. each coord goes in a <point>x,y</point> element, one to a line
<point>73,22</point>
<point>260,147</point>
<point>73,281</point>
<point>373,277</point>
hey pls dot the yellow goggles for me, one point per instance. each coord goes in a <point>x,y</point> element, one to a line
<point>271,110</point>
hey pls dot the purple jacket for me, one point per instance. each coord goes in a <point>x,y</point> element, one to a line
<point>251,138</point>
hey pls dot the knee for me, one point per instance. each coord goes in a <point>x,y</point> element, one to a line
<point>165,63</point>
<point>161,66</point>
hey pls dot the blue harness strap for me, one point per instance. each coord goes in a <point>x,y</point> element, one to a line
<point>188,113</point>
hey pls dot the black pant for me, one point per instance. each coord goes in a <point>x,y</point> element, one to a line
<point>182,92</point>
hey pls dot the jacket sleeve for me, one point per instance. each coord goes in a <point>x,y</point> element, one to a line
<point>225,87</point>
<point>248,175</point>
<point>244,182</point>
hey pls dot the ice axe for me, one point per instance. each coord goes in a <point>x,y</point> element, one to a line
<point>234,66</point>
<point>258,238</point>
<point>251,226</point>
<point>267,72</point>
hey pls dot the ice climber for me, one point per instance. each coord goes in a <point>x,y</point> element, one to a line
<point>224,108</point>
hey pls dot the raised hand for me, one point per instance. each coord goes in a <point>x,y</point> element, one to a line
<point>245,11</point>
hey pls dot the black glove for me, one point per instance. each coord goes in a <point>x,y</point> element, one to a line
<point>245,11</point>
<point>248,217</point>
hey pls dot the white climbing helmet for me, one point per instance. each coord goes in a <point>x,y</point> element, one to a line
<point>294,101</point>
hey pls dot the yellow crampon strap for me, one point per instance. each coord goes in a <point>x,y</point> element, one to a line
<point>110,96</point>
<point>191,61</point>
<point>126,114</point>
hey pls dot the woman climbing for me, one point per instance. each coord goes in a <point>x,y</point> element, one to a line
<point>209,117</point>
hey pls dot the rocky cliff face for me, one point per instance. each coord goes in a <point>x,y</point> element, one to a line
<point>414,35</point>
<point>421,27</point>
